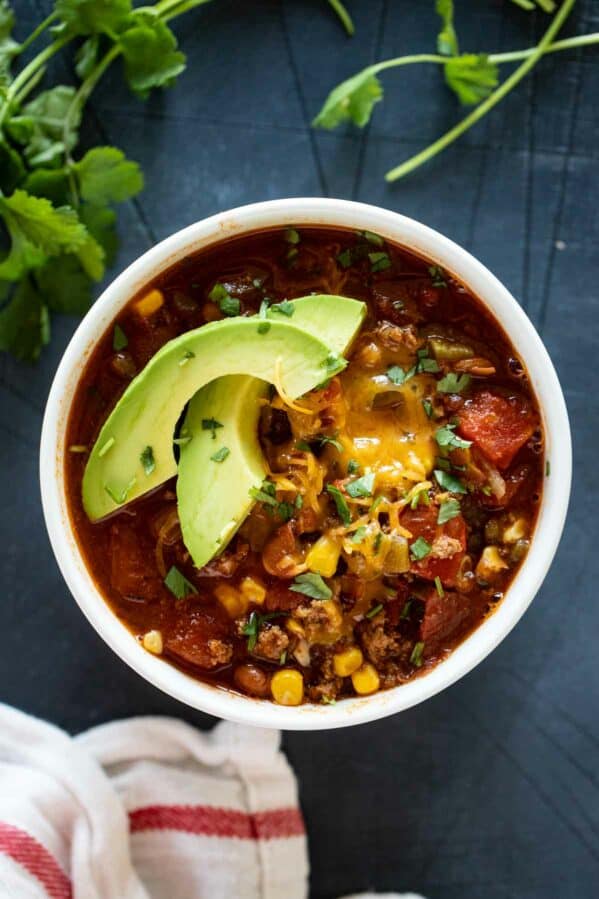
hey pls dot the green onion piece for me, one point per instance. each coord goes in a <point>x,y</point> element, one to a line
<point>416,657</point>
<point>439,587</point>
<point>375,610</point>
<point>107,446</point>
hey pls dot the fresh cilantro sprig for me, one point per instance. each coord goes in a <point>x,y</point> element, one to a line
<point>473,77</point>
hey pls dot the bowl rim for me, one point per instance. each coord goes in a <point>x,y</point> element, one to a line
<point>440,250</point>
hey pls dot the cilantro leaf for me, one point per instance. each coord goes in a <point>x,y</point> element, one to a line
<point>47,113</point>
<point>453,383</point>
<point>312,585</point>
<point>352,100</point>
<point>87,56</point>
<point>361,487</point>
<point>64,285</point>
<point>471,77</point>
<point>447,41</point>
<point>147,460</point>
<point>100,221</point>
<point>448,510</point>
<point>119,339</point>
<point>285,308</point>
<point>340,503</point>
<point>445,437</point>
<point>12,170</point>
<point>178,584</point>
<point>24,322</point>
<point>53,184</point>
<point>221,454</point>
<point>211,424</point>
<point>449,482</point>
<point>106,176</point>
<point>227,304</point>
<point>150,52</point>
<point>93,16</point>
<point>8,46</point>
<point>420,549</point>
<point>37,230</point>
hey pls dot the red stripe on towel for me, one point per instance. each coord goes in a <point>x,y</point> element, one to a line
<point>209,821</point>
<point>24,849</point>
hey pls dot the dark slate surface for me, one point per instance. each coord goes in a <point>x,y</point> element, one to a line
<point>490,789</point>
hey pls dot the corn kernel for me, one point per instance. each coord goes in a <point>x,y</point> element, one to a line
<point>253,590</point>
<point>365,679</point>
<point>323,556</point>
<point>295,627</point>
<point>150,303</point>
<point>348,661</point>
<point>287,687</point>
<point>334,613</point>
<point>152,641</point>
<point>490,564</point>
<point>234,602</point>
<point>517,530</point>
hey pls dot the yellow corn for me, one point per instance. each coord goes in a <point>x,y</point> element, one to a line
<point>348,661</point>
<point>323,556</point>
<point>150,303</point>
<point>490,564</point>
<point>287,687</point>
<point>517,530</point>
<point>152,641</point>
<point>295,627</point>
<point>365,679</point>
<point>234,602</point>
<point>334,613</point>
<point>253,590</point>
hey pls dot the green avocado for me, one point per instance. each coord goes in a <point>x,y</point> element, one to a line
<point>213,493</point>
<point>133,453</point>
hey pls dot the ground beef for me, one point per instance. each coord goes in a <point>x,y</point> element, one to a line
<point>381,646</point>
<point>271,643</point>
<point>394,337</point>
<point>445,547</point>
<point>314,615</point>
<point>199,638</point>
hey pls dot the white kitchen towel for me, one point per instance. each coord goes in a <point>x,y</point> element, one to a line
<point>147,808</point>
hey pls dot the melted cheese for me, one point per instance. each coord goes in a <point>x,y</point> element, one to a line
<point>396,443</point>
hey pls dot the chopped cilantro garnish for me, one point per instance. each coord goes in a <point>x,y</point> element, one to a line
<point>420,548</point>
<point>448,510</point>
<point>227,304</point>
<point>353,466</point>
<point>283,657</point>
<point>120,498</point>
<point>405,612</point>
<point>361,487</point>
<point>178,584</point>
<point>397,375</point>
<point>449,482</point>
<point>285,510</point>
<point>547,468</point>
<point>445,437</point>
<point>187,355</point>
<point>303,446</point>
<point>345,258</point>
<point>379,262</point>
<point>312,585</point>
<point>416,657</point>
<point>106,447</point>
<point>324,441</point>
<point>251,629</point>
<point>359,534</point>
<point>420,496</point>
<point>439,587</point>
<point>376,545</point>
<point>453,383</point>
<point>211,424</point>
<point>299,501</point>
<point>265,494</point>
<point>425,363</point>
<point>438,276</point>
<point>292,236</point>
<point>221,454</point>
<point>428,408</point>
<point>181,441</point>
<point>341,503</point>
<point>119,339</point>
<point>147,460</point>
<point>375,239</point>
<point>285,308</point>
<point>375,610</point>
<point>334,364</point>
<point>376,503</point>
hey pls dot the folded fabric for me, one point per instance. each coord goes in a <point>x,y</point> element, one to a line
<point>147,808</point>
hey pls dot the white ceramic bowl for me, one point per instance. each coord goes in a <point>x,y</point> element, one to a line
<point>433,246</point>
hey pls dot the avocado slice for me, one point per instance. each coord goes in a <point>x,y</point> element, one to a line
<point>213,496</point>
<point>133,453</point>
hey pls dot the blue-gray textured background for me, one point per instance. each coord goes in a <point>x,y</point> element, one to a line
<point>490,789</point>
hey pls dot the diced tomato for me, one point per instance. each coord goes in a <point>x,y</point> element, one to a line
<point>443,615</point>
<point>498,426</point>
<point>422,522</point>
<point>133,573</point>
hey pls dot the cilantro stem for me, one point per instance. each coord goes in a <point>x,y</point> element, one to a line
<point>483,108</point>
<point>37,31</point>
<point>343,15</point>
<point>30,69</point>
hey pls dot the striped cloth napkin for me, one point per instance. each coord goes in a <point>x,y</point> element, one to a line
<point>147,808</point>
